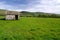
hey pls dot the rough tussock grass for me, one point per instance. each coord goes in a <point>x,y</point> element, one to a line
<point>30,28</point>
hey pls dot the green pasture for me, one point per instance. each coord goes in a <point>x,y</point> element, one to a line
<point>30,28</point>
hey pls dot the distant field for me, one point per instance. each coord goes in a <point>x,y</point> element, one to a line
<point>30,28</point>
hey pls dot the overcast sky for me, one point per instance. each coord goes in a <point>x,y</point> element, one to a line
<point>50,6</point>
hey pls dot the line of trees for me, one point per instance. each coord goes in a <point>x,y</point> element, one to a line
<point>39,14</point>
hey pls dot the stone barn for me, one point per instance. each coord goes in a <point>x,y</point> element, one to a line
<point>12,15</point>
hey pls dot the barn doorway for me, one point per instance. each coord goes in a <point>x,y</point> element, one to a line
<point>16,17</point>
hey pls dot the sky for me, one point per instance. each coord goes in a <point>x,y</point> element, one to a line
<point>49,6</point>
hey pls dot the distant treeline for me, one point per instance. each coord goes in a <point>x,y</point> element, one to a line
<point>39,14</point>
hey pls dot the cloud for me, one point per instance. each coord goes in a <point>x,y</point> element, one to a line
<point>50,6</point>
<point>3,5</point>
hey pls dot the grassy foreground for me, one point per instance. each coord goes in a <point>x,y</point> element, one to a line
<point>30,28</point>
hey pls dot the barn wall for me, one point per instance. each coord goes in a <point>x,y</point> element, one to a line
<point>10,17</point>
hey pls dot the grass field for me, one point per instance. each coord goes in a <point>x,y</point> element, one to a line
<point>30,28</point>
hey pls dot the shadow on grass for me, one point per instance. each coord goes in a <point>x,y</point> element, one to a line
<point>2,18</point>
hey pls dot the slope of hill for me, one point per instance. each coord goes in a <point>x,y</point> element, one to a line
<point>39,14</point>
<point>2,12</point>
<point>34,14</point>
<point>30,28</point>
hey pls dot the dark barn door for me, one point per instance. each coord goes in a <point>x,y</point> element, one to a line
<point>16,17</point>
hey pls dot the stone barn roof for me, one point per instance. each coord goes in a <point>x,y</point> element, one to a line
<point>5,12</point>
<point>12,13</point>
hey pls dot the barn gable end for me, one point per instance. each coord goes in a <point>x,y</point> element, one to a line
<point>12,15</point>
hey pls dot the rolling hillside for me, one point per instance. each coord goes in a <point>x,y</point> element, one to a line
<point>33,14</point>
<point>31,26</point>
